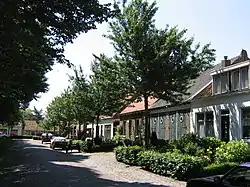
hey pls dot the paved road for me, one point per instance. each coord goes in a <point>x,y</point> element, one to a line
<point>31,164</point>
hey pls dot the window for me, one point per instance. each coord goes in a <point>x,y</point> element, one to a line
<point>137,123</point>
<point>130,128</point>
<point>244,78</point>
<point>205,124</point>
<point>246,122</point>
<point>235,80</point>
<point>224,83</point>
<point>200,124</point>
<point>216,84</point>
<point>209,123</point>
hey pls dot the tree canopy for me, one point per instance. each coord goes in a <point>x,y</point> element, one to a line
<point>158,62</point>
<point>148,62</point>
<point>33,36</point>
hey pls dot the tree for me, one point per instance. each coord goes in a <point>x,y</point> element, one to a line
<point>157,62</point>
<point>33,36</point>
<point>80,97</point>
<point>38,115</point>
<point>107,89</point>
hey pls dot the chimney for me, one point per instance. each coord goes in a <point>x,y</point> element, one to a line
<point>226,62</point>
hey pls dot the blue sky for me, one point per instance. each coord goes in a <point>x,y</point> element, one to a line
<point>224,23</point>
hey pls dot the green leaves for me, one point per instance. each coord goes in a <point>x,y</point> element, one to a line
<point>33,36</point>
<point>158,62</point>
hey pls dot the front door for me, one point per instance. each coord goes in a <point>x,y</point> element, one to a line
<point>225,125</point>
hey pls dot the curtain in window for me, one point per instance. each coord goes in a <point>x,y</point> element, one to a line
<point>244,77</point>
<point>235,80</point>
<point>216,84</point>
<point>200,124</point>
<point>224,82</point>
<point>209,124</point>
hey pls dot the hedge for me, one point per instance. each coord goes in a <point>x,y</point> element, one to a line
<point>218,168</point>
<point>128,155</point>
<point>36,138</point>
<point>171,164</point>
<point>22,137</point>
<point>174,165</point>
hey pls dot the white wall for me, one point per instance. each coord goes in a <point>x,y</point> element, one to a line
<point>234,103</point>
<point>101,133</point>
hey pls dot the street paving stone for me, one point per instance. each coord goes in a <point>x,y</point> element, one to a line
<point>31,164</point>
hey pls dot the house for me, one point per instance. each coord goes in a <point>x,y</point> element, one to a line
<point>107,127</point>
<point>131,118</point>
<point>222,108</point>
<point>171,122</point>
<point>168,121</point>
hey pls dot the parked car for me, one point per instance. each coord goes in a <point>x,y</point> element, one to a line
<point>3,135</point>
<point>239,176</point>
<point>59,142</point>
<point>46,137</point>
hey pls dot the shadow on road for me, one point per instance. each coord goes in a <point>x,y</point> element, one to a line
<point>28,165</point>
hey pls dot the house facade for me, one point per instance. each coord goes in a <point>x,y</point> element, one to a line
<point>222,108</point>
<point>107,127</point>
<point>169,122</point>
<point>131,119</point>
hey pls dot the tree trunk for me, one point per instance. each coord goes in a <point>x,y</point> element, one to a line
<point>97,126</point>
<point>147,125</point>
<point>79,130</point>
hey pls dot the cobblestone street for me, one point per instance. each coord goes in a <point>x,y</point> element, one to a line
<point>29,163</point>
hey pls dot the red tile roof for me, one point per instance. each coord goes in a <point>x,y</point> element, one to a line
<point>138,106</point>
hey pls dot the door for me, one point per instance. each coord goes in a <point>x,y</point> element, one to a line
<point>172,118</point>
<point>182,127</point>
<point>161,128</point>
<point>225,126</point>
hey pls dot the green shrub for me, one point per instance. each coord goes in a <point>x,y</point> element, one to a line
<point>85,146</point>
<point>128,155</point>
<point>217,169</point>
<point>175,165</point>
<point>233,151</point>
<point>21,137</point>
<point>184,140</point>
<point>210,144</point>
<point>193,149</point>
<point>36,138</point>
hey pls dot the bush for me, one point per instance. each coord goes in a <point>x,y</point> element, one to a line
<point>36,138</point>
<point>128,155</point>
<point>210,144</point>
<point>21,137</point>
<point>217,169</point>
<point>186,139</point>
<point>85,146</point>
<point>175,165</point>
<point>233,151</point>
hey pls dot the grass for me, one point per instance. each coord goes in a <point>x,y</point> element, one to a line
<point>4,145</point>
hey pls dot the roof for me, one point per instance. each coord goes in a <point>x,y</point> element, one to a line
<point>138,106</point>
<point>196,86</point>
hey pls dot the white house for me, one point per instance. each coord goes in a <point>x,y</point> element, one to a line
<point>222,108</point>
<point>107,127</point>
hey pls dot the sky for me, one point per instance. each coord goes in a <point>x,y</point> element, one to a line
<point>225,24</point>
